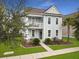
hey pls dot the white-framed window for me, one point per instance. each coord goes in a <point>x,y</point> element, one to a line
<point>49,33</point>
<point>56,20</point>
<point>33,33</point>
<point>56,32</point>
<point>49,20</point>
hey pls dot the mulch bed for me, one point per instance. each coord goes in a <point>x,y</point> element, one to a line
<point>29,44</point>
<point>59,42</point>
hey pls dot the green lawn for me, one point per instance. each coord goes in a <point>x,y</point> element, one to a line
<point>74,55</point>
<point>75,43</point>
<point>19,50</point>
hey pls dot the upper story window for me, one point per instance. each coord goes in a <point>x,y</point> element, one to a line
<point>56,32</point>
<point>49,33</point>
<point>56,20</point>
<point>33,33</point>
<point>49,20</point>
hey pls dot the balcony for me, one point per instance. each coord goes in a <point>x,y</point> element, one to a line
<point>34,22</point>
<point>36,25</point>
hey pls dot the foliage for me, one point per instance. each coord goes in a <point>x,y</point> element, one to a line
<point>2,29</point>
<point>55,39</point>
<point>35,41</point>
<point>19,50</point>
<point>47,41</point>
<point>10,23</point>
<point>68,22</point>
<point>76,26</point>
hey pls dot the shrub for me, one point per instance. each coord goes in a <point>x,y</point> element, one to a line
<point>48,41</point>
<point>55,39</point>
<point>35,41</point>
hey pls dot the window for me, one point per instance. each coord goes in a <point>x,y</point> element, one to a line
<point>56,32</point>
<point>33,33</point>
<point>56,20</point>
<point>49,20</point>
<point>49,33</point>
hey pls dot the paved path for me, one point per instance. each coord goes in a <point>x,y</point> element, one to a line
<point>44,54</point>
<point>46,47</point>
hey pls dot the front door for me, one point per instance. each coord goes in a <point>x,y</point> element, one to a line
<point>40,34</point>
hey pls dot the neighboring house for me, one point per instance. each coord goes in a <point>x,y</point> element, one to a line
<point>65,31</point>
<point>43,23</point>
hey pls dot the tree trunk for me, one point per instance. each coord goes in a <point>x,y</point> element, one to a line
<point>68,33</point>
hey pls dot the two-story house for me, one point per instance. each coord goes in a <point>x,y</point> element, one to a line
<point>43,23</point>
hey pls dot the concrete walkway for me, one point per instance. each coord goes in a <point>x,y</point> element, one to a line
<point>44,54</point>
<point>46,47</point>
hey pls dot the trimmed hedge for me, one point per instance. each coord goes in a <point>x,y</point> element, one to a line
<point>48,41</point>
<point>35,41</point>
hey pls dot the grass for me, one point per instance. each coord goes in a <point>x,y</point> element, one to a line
<point>75,43</point>
<point>74,55</point>
<point>19,50</point>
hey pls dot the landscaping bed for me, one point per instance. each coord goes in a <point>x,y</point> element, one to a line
<point>60,42</point>
<point>74,43</point>
<point>32,43</point>
<point>49,41</point>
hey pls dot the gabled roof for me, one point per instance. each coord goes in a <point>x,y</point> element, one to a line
<point>34,11</point>
<point>51,10</point>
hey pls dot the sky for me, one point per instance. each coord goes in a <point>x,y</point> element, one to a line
<point>64,6</point>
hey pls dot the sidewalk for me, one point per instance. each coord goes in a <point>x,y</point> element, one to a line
<point>44,54</point>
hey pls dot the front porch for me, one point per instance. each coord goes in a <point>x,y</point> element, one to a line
<point>33,33</point>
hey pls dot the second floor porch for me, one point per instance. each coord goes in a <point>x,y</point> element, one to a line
<point>34,22</point>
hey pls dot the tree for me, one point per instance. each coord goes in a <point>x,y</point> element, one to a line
<point>2,29</point>
<point>68,22</point>
<point>76,26</point>
<point>10,21</point>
